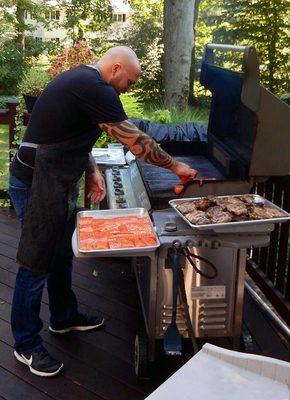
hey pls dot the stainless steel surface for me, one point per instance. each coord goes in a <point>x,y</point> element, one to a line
<point>107,214</point>
<point>229,226</point>
<point>125,188</point>
<point>108,156</point>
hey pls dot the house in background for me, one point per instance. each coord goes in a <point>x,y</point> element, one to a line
<point>120,17</point>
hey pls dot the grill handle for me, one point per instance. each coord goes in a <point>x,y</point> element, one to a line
<point>251,90</point>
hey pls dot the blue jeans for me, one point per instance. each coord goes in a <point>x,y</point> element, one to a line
<point>25,319</point>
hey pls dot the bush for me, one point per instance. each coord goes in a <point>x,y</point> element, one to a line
<point>12,67</point>
<point>132,105</point>
<point>162,116</point>
<point>34,81</point>
<point>80,53</point>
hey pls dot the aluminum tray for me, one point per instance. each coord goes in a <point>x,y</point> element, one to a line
<point>128,212</point>
<point>233,226</point>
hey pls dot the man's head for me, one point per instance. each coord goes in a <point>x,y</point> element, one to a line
<point>120,68</point>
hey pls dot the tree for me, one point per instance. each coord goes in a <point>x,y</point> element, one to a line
<point>145,36</point>
<point>264,24</point>
<point>178,44</point>
<point>84,16</point>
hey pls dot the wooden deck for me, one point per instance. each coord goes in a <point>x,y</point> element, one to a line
<point>98,365</point>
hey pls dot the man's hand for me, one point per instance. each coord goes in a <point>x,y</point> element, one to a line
<point>183,171</point>
<point>96,187</point>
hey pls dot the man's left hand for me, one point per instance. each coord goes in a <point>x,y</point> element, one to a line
<point>96,187</point>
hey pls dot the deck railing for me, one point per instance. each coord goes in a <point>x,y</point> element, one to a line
<point>269,267</point>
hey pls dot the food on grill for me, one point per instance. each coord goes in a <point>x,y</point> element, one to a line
<point>218,216</point>
<point>186,207</point>
<point>263,212</point>
<point>218,210</point>
<point>115,233</point>
<point>197,217</point>
<point>248,199</point>
<point>203,204</point>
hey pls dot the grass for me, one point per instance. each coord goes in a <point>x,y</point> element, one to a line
<point>188,114</point>
<point>4,156</point>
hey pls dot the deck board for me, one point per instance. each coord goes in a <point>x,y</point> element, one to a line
<point>99,364</point>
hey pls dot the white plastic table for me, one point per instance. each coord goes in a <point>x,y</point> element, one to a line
<point>218,374</point>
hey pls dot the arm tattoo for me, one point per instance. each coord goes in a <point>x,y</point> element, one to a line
<point>139,143</point>
<point>92,166</point>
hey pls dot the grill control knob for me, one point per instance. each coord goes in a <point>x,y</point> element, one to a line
<point>120,199</point>
<point>116,179</point>
<point>117,185</point>
<point>122,205</point>
<point>170,227</point>
<point>119,191</point>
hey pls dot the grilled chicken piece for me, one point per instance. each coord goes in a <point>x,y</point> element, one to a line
<point>221,217</point>
<point>203,204</point>
<point>213,211</point>
<point>197,218</point>
<point>237,208</point>
<point>262,212</point>
<point>186,207</point>
<point>247,199</point>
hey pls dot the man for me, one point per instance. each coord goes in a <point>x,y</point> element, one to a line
<point>66,120</point>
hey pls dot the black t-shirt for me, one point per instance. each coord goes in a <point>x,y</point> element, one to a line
<point>73,104</point>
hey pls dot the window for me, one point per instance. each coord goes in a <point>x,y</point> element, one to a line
<point>119,17</point>
<point>124,17</point>
<point>47,15</point>
<point>57,14</point>
<point>52,15</point>
<point>38,39</point>
<point>114,17</point>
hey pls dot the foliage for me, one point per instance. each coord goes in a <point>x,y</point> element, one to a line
<point>163,116</point>
<point>84,16</point>
<point>153,111</point>
<point>145,37</point>
<point>78,54</point>
<point>132,105</point>
<point>12,67</point>
<point>262,23</point>
<point>7,20</point>
<point>34,81</point>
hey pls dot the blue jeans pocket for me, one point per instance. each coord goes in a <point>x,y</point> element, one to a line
<point>19,194</point>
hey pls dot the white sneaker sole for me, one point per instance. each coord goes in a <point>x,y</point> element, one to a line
<point>77,328</point>
<point>34,371</point>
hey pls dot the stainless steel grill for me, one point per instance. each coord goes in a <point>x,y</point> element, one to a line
<point>248,140</point>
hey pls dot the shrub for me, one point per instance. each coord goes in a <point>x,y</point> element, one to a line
<point>80,53</point>
<point>34,81</point>
<point>132,105</point>
<point>12,67</point>
<point>162,116</point>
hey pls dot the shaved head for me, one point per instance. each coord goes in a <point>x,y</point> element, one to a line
<point>122,54</point>
<point>120,68</point>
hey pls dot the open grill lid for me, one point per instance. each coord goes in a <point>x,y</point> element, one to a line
<point>249,128</point>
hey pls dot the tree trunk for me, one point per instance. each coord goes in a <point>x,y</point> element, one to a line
<point>178,42</point>
<point>191,99</point>
<point>20,9</point>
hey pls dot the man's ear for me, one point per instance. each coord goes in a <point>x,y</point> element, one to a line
<point>115,68</point>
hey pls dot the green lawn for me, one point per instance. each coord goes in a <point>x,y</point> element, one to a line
<point>4,156</point>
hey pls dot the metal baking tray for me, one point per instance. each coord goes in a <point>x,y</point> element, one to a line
<point>108,156</point>
<point>128,212</point>
<point>234,226</point>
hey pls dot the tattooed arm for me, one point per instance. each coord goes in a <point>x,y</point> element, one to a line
<point>145,148</point>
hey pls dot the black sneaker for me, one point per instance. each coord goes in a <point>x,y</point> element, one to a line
<point>82,323</point>
<point>40,362</point>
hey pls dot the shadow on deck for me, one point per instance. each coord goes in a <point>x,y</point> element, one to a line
<point>98,365</point>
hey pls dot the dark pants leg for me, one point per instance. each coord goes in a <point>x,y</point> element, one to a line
<point>25,320</point>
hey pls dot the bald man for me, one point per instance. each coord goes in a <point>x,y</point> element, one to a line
<point>67,118</point>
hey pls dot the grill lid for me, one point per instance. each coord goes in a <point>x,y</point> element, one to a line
<point>242,134</point>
